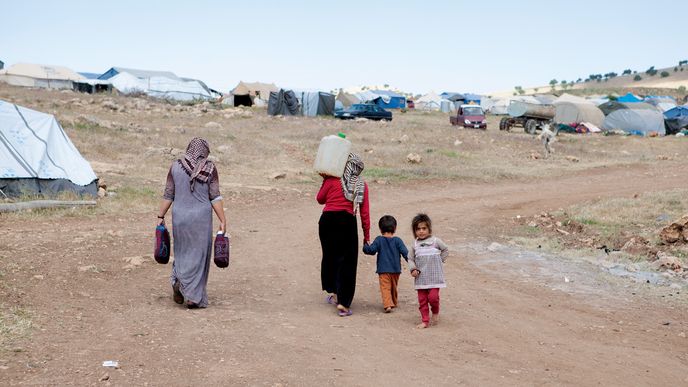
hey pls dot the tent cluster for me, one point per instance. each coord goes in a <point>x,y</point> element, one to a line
<point>384,98</point>
<point>649,115</point>
<point>159,84</point>
<point>305,103</point>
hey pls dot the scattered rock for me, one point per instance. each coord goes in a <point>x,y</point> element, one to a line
<point>667,262</point>
<point>101,192</point>
<point>38,277</point>
<point>564,232</point>
<point>110,104</point>
<point>86,268</point>
<point>403,138</point>
<point>676,231</point>
<point>133,262</point>
<point>105,377</point>
<point>572,159</point>
<point>213,125</point>
<point>457,143</point>
<point>494,246</point>
<point>636,246</point>
<point>532,224</point>
<point>663,157</point>
<point>414,158</point>
<point>535,156</point>
<point>278,175</point>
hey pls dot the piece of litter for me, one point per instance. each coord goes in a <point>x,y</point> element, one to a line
<point>111,363</point>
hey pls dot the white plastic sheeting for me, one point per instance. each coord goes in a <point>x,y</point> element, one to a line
<point>160,87</point>
<point>33,145</point>
<point>635,121</point>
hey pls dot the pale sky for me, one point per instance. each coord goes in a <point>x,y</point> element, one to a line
<point>416,46</point>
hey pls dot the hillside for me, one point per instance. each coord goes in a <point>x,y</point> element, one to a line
<point>675,80</point>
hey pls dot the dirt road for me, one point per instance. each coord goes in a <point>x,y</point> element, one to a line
<point>268,323</point>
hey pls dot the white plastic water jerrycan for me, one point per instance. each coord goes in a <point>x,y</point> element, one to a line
<point>333,153</point>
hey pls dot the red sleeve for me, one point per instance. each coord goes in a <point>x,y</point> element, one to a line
<point>365,214</point>
<point>322,194</point>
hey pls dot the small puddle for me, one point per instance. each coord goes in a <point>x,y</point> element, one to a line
<point>583,276</point>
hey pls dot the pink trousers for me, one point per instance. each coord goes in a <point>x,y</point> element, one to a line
<point>431,297</point>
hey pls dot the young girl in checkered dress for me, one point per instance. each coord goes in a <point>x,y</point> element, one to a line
<point>425,262</point>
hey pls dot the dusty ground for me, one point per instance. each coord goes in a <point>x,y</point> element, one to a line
<point>79,286</point>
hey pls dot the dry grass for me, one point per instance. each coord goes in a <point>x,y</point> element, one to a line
<point>15,323</point>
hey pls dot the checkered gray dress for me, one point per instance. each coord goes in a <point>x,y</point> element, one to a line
<point>427,256</point>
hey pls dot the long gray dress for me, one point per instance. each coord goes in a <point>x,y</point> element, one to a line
<point>192,224</point>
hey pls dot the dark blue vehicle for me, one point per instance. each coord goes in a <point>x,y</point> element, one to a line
<point>369,111</point>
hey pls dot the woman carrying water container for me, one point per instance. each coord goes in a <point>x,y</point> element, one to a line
<point>343,196</point>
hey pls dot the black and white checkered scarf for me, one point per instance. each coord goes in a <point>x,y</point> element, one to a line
<point>196,163</point>
<point>352,183</point>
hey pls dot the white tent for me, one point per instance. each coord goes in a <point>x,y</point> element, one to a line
<point>160,87</point>
<point>36,156</point>
<point>430,101</point>
<point>571,98</point>
<point>36,75</point>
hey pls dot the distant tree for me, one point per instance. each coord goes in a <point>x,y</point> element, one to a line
<point>635,72</point>
<point>535,89</point>
<point>637,77</point>
<point>519,90</point>
<point>386,86</point>
<point>651,71</point>
<point>553,83</point>
<point>676,69</point>
<point>664,74</point>
<point>682,89</point>
<point>682,62</point>
<point>681,68</point>
<point>578,80</point>
<point>611,75</point>
<point>564,84</point>
<point>626,72</point>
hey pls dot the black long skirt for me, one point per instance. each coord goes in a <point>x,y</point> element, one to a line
<point>339,241</point>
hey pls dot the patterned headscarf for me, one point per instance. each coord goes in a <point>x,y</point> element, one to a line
<point>196,163</point>
<point>352,183</point>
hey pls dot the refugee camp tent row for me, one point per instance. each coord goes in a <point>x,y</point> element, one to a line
<point>159,84</point>
<point>37,157</point>
<point>633,117</point>
<point>36,75</point>
<point>250,93</point>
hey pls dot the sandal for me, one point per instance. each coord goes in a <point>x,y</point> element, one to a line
<point>330,300</point>
<point>344,313</point>
<point>177,295</point>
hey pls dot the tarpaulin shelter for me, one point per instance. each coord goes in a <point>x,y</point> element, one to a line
<point>662,102</point>
<point>37,75</point>
<point>632,117</point>
<point>676,119</point>
<point>575,113</point>
<point>500,106</point>
<point>283,102</point>
<point>347,99</point>
<point>37,157</point>
<point>472,98</point>
<point>389,99</point>
<point>245,93</point>
<point>161,87</point>
<point>429,101</point>
<point>315,103</point>
<point>546,99</point>
<point>629,97</point>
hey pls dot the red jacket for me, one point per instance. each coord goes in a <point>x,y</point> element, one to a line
<point>332,196</point>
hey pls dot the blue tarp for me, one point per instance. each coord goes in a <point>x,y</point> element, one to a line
<point>629,98</point>
<point>389,99</point>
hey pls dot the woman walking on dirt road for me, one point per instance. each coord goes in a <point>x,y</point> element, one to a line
<point>343,197</point>
<point>194,187</point>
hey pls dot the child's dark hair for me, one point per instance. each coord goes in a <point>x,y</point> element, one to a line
<point>418,219</point>
<point>387,224</point>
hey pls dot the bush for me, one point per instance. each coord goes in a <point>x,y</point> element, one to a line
<point>664,74</point>
<point>637,77</point>
<point>682,89</point>
<point>651,71</point>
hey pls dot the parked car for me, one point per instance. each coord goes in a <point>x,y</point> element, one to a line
<point>360,110</point>
<point>469,116</point>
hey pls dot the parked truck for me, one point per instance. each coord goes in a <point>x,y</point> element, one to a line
<point>527,115</point>
<point>469,116</point>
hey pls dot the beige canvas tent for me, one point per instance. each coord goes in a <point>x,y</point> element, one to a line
<point>245,92</point>
<point>37,75</point>
<point>347,99</point>
<point>575,113</point>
